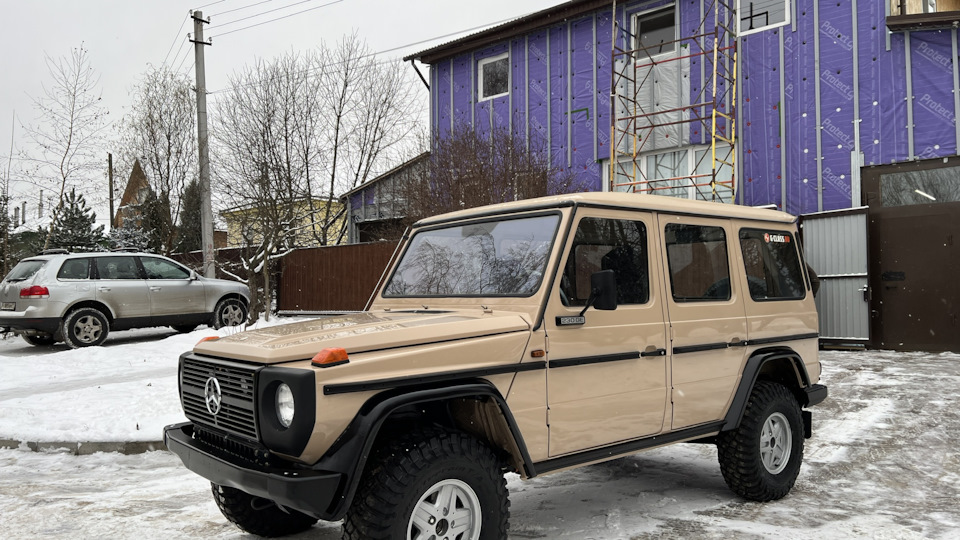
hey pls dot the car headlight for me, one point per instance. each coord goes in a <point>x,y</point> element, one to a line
<point>285,405</point>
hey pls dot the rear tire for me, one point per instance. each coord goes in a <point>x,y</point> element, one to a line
<point>85,327</point>
<point>39,340</point>
<point>760,460</point>
<point>259,516</point>
<point>436,483</point>
<point>229,312</point>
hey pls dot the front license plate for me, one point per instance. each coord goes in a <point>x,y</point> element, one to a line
<point>8,306</point>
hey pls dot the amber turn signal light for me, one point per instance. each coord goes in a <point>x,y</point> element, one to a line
<point>208,338</point>
<point>330,357</point>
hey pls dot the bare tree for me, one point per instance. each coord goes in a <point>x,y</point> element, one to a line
<point>67,138</point>
<point>468,169</point>
<point>294,133</point>
<point>160,131</point>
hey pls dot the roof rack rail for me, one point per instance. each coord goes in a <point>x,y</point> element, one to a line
<point>55,251</point>
<point>130,249</point>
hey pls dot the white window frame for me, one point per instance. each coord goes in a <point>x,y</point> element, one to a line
<point>636,27</point>
<point>744,4</point>
<point>490,60</point>
<point>690,158</point>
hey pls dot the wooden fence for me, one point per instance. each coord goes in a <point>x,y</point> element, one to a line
<point>332,278</point>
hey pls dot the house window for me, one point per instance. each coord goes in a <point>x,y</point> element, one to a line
<point>656,32</point>
<point>757,15</point>
<point>493,75</point>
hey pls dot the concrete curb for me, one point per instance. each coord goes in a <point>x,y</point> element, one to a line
<point>87,448</point>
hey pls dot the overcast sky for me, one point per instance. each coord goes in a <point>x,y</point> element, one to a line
<point>123,37</point>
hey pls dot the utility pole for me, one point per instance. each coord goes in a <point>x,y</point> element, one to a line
<point>203,143</point>
<point>6,200</point>
<point>110,183</point>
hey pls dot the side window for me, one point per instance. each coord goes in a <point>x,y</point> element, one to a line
<point>493,76</point>
<point>607,244</point>
<point>74,269</point>
<point>697,258</point>
<point>117,268</point>
<point>772,265</point>
<point>161,269</point>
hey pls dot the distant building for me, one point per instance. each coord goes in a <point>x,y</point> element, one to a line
<point>245,223</point>
<point>375,209</point>
<point>138,189</point>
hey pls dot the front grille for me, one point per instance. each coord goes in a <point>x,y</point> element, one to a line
<point>238,407</point>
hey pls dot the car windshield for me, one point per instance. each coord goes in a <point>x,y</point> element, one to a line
<point>25,270</point>
<point>491,258</point>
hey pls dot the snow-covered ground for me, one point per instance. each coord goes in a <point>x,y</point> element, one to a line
<point>882,463</point>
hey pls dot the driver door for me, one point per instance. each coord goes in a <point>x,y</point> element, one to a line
<point>607,372</point>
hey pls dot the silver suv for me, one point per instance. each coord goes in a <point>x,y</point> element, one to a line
<point>78,298</point>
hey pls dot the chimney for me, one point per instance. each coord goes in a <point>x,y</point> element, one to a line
<point>40,206</point>
<point>23,212</point>
<point>16,216</point>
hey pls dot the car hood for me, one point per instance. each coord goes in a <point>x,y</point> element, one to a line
<point>360,332</point>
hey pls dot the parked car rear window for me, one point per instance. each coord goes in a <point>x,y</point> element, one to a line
<point>75,269</point>
<point>25,270</point>
<point>772,265</point>
<point>697,257</point>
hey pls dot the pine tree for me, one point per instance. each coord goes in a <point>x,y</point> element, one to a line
<point>129,238</point>
<point>74,227</point>
<point>189,232</point>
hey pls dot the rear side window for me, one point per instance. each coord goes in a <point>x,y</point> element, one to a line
<point>25,270</point>
<point>161,269</point>
<point>772,265</point>
<point>117,268</point>
<point>697,258</point>
<point>607,244</point>
<point>74,269</point>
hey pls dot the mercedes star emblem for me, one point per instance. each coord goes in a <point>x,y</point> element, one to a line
<point>212,396</point>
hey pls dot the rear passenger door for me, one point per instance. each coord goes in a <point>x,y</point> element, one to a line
<point>121,287</point>
<point>707,321</point>
<point>606,375</point>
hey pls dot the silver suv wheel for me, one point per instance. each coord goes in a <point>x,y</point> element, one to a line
<point>449,509</point>
<point>776,441</point>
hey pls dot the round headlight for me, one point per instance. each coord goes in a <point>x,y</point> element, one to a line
<point>285,405</point>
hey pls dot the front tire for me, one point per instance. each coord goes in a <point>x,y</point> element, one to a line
<point>431,484</point>
<point>229,312</point>
<point>85,327</point>
<point>259,516</point>
<point>760,460</point>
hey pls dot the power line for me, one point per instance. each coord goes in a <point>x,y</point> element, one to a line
<point>185,17</point>
<point>210,4</point>
<point>278,18</point>
<point>261,13</point>
<point>240,8</point>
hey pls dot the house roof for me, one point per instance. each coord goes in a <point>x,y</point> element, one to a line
<point>528,23</point>
<point>388,174</point>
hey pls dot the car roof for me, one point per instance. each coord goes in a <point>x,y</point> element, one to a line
<point>624,201</point>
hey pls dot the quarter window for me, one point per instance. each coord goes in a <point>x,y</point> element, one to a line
<point>607,244</point>
<point>494,76</point>
<point>74,269</point>
<point>772,265</point>
<point>697,258</point>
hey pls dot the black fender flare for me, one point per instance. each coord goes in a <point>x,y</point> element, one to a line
<point>349,454</point>
<point>751,371</point>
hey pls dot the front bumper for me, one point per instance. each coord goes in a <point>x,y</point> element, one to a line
<point>815,393</point>
<point>308,491</point>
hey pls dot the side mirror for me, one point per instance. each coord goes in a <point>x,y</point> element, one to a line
<point>193,276</point>
<point>603,291</point>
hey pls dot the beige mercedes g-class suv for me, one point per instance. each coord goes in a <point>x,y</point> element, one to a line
<point>532,337</point>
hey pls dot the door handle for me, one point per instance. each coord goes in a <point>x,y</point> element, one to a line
<point>737,342</point>
<point>155,288</point>
<point>103,289</point>
<point>652,350</point>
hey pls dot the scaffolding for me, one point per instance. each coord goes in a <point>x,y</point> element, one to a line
<point>670,135</point>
